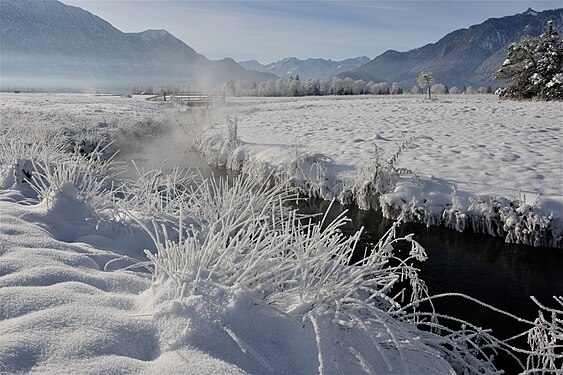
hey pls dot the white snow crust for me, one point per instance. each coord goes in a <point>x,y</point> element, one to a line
<point>490,149</point>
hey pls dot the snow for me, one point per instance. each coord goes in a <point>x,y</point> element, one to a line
<point>78,294</point>
<point>484,146</point>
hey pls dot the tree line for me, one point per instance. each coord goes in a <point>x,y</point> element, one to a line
<point>336,86</point>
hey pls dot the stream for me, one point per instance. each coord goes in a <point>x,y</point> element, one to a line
<point>484,267</point>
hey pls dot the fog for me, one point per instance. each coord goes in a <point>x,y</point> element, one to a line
<point>170,146</point>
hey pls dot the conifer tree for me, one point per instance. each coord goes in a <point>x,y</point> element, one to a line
<point>534,67</point>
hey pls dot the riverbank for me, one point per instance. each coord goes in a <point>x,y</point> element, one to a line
<point>465,162</point>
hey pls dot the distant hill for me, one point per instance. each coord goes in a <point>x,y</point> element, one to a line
<point>461,58</point>
<point>47,44</point>
<point>309,68</point>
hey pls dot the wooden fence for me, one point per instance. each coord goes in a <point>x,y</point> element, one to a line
<point>191,99</point>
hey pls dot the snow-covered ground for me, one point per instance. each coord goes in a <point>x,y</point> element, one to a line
<point>231,284</point>
<point>492,150</point>
<point>481,143</point>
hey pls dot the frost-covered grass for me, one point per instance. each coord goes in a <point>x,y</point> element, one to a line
<point>478,163</point>
<point>235,280</point>
<point>352,312</point>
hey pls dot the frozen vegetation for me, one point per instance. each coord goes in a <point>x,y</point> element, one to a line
<point>171,272</point>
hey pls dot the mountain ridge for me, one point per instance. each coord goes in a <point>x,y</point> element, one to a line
<point>306,68</point>
<point>463,57</point>
<point>46,43</point>
<point>51,45</point>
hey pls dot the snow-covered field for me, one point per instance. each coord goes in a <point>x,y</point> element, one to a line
<point>481,143</point>
<point>165,274</point>
<point>493,151</point>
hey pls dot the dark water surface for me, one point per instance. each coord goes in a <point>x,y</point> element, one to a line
<point>483,267</point>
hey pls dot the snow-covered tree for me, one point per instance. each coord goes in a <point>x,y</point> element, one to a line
<point>230,88</point>
<point>439,88</point>
<point>425,80</point>
<point>337,86</point>
<point>348,85</point>
<point>396,89</point>
<point>281,87</point>
<point>381,88</point>
<point>312,87</point>
<point>358,87</point>
<point>295,88</point>
<point>325,87</point>
<point>245,88</point>
<point>534,67</point>
<point>266,88</point>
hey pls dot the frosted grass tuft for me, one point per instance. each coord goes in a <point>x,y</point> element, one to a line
<point>304,269</point>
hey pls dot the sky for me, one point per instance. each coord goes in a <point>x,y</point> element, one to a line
<point>270,30</point>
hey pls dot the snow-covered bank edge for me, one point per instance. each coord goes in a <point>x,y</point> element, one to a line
<point>380,185</point>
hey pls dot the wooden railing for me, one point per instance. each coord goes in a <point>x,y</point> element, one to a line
<point>191,98</point>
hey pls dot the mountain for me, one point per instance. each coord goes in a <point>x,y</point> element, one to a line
<point>461,58</point>
<point>47,44</point>
<point>309,68</point>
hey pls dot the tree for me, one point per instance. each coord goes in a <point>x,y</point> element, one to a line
<point>416,89</point>
<point>281,87</point>
<point>294,88</point>
<point>439,88</point>
<point>348,86</point>
<point>312,86</point>
<point>230,88</point>
<point>337,86</point>
<point>358,87</point>
<point>396,88</point>
<point>266,88</point>
<point>425,81</point>
<point>534,67</point>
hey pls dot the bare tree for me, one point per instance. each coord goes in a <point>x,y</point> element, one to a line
<point>425,80</point>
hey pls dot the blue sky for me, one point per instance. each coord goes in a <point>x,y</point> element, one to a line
<point>270,30</point>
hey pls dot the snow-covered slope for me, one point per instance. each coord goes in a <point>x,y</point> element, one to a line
<point>308,68</point>
<point>461,58</point>
<point>47,44</point>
